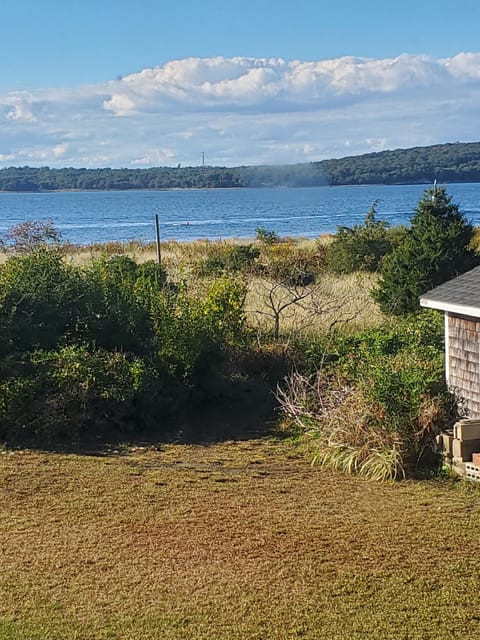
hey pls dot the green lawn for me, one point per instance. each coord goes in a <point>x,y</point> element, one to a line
<point>234,540</point>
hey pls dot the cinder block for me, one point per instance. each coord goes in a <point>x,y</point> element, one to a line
<point>464,449</point>
<point>467,430</point>
<point>445,444</point>
<point>458,467</point>
<point>472,472</point>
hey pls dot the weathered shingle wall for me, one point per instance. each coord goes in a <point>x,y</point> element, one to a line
<point>464,360</point>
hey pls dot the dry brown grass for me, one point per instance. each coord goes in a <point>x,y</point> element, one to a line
<point>340,300</point>
<point>181,259</point>
<point>239,540</point>
<point>335,300</point>
<point>80,255</point>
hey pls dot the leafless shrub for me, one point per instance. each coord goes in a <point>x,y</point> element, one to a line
<point>27,236</point>
<point>307,400</point>
<point>297,308</point>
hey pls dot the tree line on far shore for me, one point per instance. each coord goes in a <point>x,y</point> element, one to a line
<point>456,162</point>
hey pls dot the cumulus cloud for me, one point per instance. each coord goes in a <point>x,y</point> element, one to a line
<point>274,83</point>
<point>17,107</point>
<point>464,66</point>
<point>246,110</point>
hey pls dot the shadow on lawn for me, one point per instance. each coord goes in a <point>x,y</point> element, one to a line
<point>237,411</point>
<point>242,412</point>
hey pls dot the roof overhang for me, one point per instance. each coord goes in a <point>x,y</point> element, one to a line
<point>460,309</point>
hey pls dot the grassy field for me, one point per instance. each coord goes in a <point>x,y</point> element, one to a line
<point>240,539</point>
<point>343,301</point>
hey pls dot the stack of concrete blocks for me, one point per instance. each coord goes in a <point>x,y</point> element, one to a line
<point>461,448</point>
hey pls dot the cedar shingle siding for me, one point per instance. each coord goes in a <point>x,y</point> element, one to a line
<point>463,356</point>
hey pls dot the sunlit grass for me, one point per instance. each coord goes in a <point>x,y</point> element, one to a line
<point>231,541</point>
<point>340,301</point>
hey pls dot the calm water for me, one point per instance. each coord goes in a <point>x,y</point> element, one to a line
<point>99,216</point>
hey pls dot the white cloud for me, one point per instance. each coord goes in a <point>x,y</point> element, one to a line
<point>60,150</point>
<point>18,107</point>
<point>246,110</point>
<point>464,66</point>
<point>120,105</point>
<point>156,156</point>
<point>274,83</point>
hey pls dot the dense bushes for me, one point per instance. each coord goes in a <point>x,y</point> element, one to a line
<point>281,261</point>
<point>378,401</point>
<point>75,391</point>
<point>361,247</point>
<point>229,259</point>
<point>114,345</point>
<point>110,345</point>
<point>290,264</point>
<point>38,297</point>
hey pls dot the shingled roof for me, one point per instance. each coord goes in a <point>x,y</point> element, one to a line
<point>460,295</point>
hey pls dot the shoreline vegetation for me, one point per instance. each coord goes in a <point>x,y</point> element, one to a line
<point>452,162</point>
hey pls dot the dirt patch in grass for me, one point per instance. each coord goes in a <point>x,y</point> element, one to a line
<point>233,540</point>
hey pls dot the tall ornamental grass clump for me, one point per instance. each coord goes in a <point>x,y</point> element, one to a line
<point>378,402</point>
<point>108,346</point>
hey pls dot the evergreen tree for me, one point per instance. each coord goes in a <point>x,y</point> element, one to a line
<point>434,249</point>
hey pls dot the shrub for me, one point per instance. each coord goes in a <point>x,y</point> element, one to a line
<point>266,236</point>
<point>360,248</point>
<point>76,391</point>
<point>223,309</point>
<point>229,259</point>
<point>39,297</point>
<point>294,266</point>
<point>115,310</point>
<point>377,406</point>
<point>31,235</point>
<point>112,343</point>
<point>19,397</point>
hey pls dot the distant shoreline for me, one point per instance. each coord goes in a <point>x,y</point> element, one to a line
<point>451,163</point>
<point>320,186</point>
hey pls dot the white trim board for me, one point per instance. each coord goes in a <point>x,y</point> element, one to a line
<point>460,309</point>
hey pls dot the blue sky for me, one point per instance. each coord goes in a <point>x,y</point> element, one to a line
<point>119,83</point>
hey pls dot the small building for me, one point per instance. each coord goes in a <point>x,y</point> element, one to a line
<point>459,299</point>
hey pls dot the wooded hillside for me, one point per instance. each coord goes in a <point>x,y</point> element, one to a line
<point>457,162</point>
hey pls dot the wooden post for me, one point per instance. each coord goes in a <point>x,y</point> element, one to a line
<point>157,236</point>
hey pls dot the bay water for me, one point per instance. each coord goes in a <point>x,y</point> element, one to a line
<point>86,217</point>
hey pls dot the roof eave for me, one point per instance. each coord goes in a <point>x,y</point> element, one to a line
<point>463,310</point>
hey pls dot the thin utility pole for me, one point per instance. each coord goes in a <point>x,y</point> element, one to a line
<point>157,236</point>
